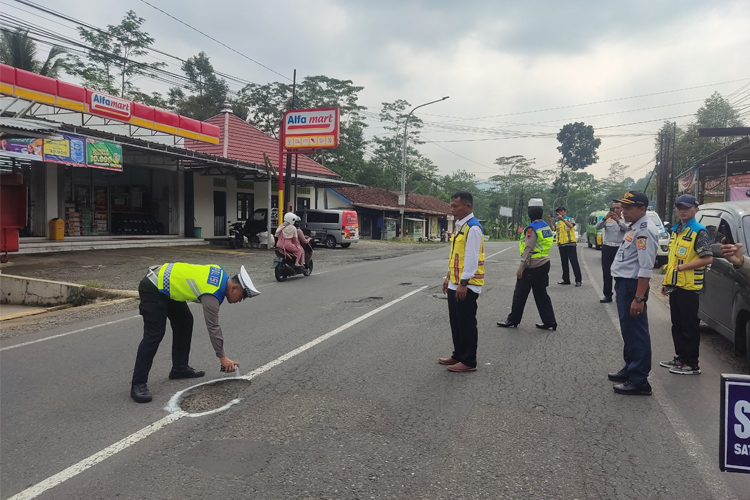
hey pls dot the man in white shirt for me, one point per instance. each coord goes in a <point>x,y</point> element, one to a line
<point>463,284</point>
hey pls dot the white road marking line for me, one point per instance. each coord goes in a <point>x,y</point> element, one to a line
<point>707,468</point>
<point>177,414</point>
<point>68,333</point>
<point>497,253</point>
<point>94,459</point>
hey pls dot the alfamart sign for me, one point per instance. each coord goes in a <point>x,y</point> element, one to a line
<point>311,129</point>
<point>109,106</point>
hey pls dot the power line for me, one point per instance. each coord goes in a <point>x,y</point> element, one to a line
<point>215,40</point>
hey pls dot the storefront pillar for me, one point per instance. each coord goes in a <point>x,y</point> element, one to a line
<point>52,206</point>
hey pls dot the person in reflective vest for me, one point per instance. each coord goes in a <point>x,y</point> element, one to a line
<point>463,284</point>
<point>164,293</point>
<point>533,273</point>
<point>689,254</point>
<point>567,244</point>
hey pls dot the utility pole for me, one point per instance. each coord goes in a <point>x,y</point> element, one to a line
<point>288,183</point>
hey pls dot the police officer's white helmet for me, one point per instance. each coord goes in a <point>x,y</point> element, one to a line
<point>290,218</point>
<point>536,202</point>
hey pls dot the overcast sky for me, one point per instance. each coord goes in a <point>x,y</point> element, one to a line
<point>504,64</point>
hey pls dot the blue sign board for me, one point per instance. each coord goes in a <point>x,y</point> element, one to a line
<point>734,454</point>
<point>71,150</point>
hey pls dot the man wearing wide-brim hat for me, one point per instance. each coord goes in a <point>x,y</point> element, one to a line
<point>164,293</point>
<point>632,270</point>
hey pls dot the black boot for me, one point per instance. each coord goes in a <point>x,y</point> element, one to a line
<point>140,393</point>
<point>185,373</point>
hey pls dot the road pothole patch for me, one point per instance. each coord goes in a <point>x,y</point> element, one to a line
<point>211,396</point>
<point>365,299</point>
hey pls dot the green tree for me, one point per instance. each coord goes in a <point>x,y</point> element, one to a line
<point>267,104</point>
<point>20,51</point>
<point>578,146</point>
<point>110,64</point>
<point>206,91</point>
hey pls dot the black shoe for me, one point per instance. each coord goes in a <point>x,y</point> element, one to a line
<point>578,283</point>
<point>545,326</point>
<point>606,299</point>
<point>506,324</point>
<point>630,389</point>
<point>621,376</point>
<point>186,373</point>
<point>563,282</point>
<point>140,393</point>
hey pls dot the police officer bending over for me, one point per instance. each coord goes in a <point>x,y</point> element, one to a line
<point>632,270</point>
<point>533,273</point>
<point>164,293</point>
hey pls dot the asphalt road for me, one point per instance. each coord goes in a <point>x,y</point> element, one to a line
<point>366,412</point>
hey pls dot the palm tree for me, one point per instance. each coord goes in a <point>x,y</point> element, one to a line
<point>19,51</point>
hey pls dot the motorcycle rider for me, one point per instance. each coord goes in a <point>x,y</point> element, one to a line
<point>288,238</point>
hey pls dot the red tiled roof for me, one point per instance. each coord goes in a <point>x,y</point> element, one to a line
<point>379,197</point>
<point>248,143</point>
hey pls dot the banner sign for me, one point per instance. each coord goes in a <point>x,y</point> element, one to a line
<point>28,149</point>
<point>109,106</point>
<point>103,154</point>
<point>734,455</point>
<point>311,129</point>
<point>739,181</point>
<point>69,151</point>
<point>686,182</point>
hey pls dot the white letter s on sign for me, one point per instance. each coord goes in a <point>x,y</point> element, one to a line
<point>741,412</point>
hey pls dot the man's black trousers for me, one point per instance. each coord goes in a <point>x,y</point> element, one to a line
<point>608,257</point>
<point>463,317</point>
<point>536,280</point>
<point>683,306</point>
<point>156,308</point>
<point>569,253</point>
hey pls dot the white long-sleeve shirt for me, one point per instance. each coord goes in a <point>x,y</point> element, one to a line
<point>471,256</point>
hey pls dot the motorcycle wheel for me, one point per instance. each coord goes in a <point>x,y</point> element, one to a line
<point>233,243</point>
<point>279,273</point>
<point>308,270</point>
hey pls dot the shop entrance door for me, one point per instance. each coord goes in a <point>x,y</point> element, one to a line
<point>220,213</point>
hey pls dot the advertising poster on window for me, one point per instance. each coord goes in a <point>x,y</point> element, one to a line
<point>71,150</point>
<point>104,154</point>
<point>28,149</point>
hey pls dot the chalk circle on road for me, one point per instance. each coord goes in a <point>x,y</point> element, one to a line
<point>209,397</point>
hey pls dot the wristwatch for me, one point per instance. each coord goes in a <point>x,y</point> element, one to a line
<point>640,299</point>
<point>464,282</point>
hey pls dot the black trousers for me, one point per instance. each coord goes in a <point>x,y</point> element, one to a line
<point>463,317</point>
<point>683,305</point>
<point>608,257</point>
<point>156,308</point>
<point>570,254</point>
<point>536,280</point>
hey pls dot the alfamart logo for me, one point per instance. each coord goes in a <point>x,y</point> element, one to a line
<point>110,106</point>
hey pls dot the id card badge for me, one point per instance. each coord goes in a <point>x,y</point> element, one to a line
<point>620,254</point>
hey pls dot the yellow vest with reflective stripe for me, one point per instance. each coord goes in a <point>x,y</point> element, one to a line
<point>682,251</point>
<point>458,250</point>
<point>187,282</point>
<point>543,240</point>
<point>565,234</point>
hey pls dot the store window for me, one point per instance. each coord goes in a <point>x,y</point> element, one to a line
<point>303,203</point>
<point>245,205</point>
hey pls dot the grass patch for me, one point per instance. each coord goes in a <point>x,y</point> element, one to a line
<point>92,284</point>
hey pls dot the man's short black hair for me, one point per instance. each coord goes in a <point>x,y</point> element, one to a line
<point>536,213</point>
<point>560,209</point>
<point>236,279</point>
<point>464,196</point>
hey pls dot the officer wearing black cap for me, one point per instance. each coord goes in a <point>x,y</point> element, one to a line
<point>632,270</point>
<point>567,245</point>
<point>164,294</point>
<point>689,254</point>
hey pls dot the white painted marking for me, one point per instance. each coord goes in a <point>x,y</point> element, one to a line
<point>68,333</point>
<point>707,468</point>
<point>177,414</point>
<point>497,253</point>
<point>94,459</point>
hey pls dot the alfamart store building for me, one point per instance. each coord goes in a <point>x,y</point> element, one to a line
<point>116,169</point>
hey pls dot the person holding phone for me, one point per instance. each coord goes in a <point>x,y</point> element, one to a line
<point>567,245</point>
<point>689,254</point>
<point>614,228</point>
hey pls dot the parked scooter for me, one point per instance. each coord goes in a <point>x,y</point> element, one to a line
<point>237,238</point>
<point>284,262</point>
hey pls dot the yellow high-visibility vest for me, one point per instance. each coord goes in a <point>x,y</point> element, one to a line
<point>682,251</point>
<point>458,250</point>
<point>565,234</point>
<point>187,282</point>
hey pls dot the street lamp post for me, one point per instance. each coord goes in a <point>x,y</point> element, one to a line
<point>402,197</point>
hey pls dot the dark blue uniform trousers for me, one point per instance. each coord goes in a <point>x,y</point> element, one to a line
<point>635,335</point>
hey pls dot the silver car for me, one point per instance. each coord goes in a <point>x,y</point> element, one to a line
<point>662,251</point>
